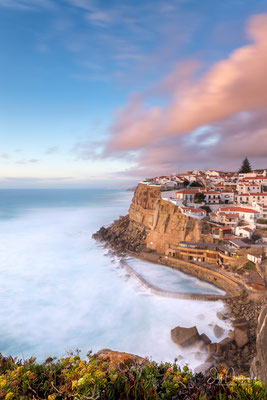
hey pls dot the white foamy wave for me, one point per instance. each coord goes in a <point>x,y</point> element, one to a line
<point>59,291</point>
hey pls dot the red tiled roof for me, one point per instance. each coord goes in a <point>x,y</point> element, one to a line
<point>197,210</point>
<point>253,194</point>
<point>211,192</point>
<point>222,228</point>
<point>239,209</point>
<point>247,229</point>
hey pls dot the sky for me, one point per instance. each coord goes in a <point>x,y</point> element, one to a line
<point>97,93</point>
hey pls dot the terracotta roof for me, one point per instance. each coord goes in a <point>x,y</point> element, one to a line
<point>240,209</point>
<point>197,210</point>
<point>253,194</point>
<point>247,229</point>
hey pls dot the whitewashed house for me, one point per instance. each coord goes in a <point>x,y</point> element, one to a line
<point>246,214</point>
<point>244,232</point>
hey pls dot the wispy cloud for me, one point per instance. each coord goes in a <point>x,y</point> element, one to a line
<point>5,156</point>
<point>30,161</point>
<point>99,17</point>
<point>52,150</point>
<point>27,4</point>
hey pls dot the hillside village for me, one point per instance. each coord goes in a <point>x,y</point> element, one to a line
<point>233,205</point>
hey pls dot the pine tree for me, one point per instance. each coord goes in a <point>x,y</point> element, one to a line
<point>245,167</point>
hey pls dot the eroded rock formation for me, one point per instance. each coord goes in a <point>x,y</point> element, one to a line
<point>152,223</point>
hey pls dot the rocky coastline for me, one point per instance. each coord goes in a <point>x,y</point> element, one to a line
<point>151,219</point>
<point>236,351</point>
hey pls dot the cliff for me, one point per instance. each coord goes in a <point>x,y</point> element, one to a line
<point>259,364</point>
<point>152,223</point>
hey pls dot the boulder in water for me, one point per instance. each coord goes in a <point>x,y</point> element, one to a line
<point>185,336</point>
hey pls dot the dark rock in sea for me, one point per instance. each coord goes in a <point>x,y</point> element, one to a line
<point>221,316</point>
<point>218,330</point>
<point>225,343</point>
<point>205,339</point>
<point>185,336</point>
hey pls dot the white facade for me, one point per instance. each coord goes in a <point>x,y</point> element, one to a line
<point>254,259</point>
<point>245,214</point>
<point>244,188</point>
<point>260,198</point>
<point>227,197</point>
<point>212,197</point>
<point>197,213</point>
<point>244,232</point>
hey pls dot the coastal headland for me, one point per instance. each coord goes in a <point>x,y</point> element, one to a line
<point>153,231</point>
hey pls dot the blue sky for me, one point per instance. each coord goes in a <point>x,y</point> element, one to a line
<point>69,67</point>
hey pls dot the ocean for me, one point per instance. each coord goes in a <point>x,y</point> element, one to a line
<point>61,291</point>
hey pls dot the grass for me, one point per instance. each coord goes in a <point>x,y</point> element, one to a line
<point>250,266</point>
<point>74,378</point>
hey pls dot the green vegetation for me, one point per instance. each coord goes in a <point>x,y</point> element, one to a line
<point>245,167</point>
<point>250,266</point>
<point>199,198</point>
<point>255,237</point>
<point>74,378</point>
<point>196,184</point>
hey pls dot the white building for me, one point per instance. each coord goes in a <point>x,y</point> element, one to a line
<point>244,231</point>
<point>197,213</point>
<point>247,188</point>
<point>245,214</point>
<point>260,198</point>
<point>224,218</point>
<point>227,196</point>
<point>187,195</point>
<point>212,197</point>
<point>261,208</point>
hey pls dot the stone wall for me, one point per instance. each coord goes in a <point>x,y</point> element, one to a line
<point>231,286</point>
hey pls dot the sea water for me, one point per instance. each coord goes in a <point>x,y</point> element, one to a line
<point>60,290</point>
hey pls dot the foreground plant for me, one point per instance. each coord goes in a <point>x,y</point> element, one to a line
<point>74,378</point>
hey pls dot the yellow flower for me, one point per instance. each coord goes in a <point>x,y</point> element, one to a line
<point>19,369</point>
<point>74,384</point>
<point>9,396</point>
<point>51,397</point>
<point>2,384</point>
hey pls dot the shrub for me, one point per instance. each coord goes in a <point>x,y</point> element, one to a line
<point>74,378</point>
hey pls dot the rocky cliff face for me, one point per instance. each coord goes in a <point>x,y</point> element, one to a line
<point>259,364</point>
<point>166,225</point>
<point>152,223</point>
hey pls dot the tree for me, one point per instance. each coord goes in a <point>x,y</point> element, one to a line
<point>186,183</point>
<point>245,167</point>
<point>196,184</point>
<point>199,198</point>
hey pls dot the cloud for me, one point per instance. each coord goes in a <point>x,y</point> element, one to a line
<point>87,150</point>
<point>229,88</point>
<point>27,4</point>
<point>4,156</point>
<point>52,150</point>
<point>99,17</point>
<point>30,161</point>
<point>84,4</point>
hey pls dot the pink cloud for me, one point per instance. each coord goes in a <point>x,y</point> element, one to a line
<point>231,86</point>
